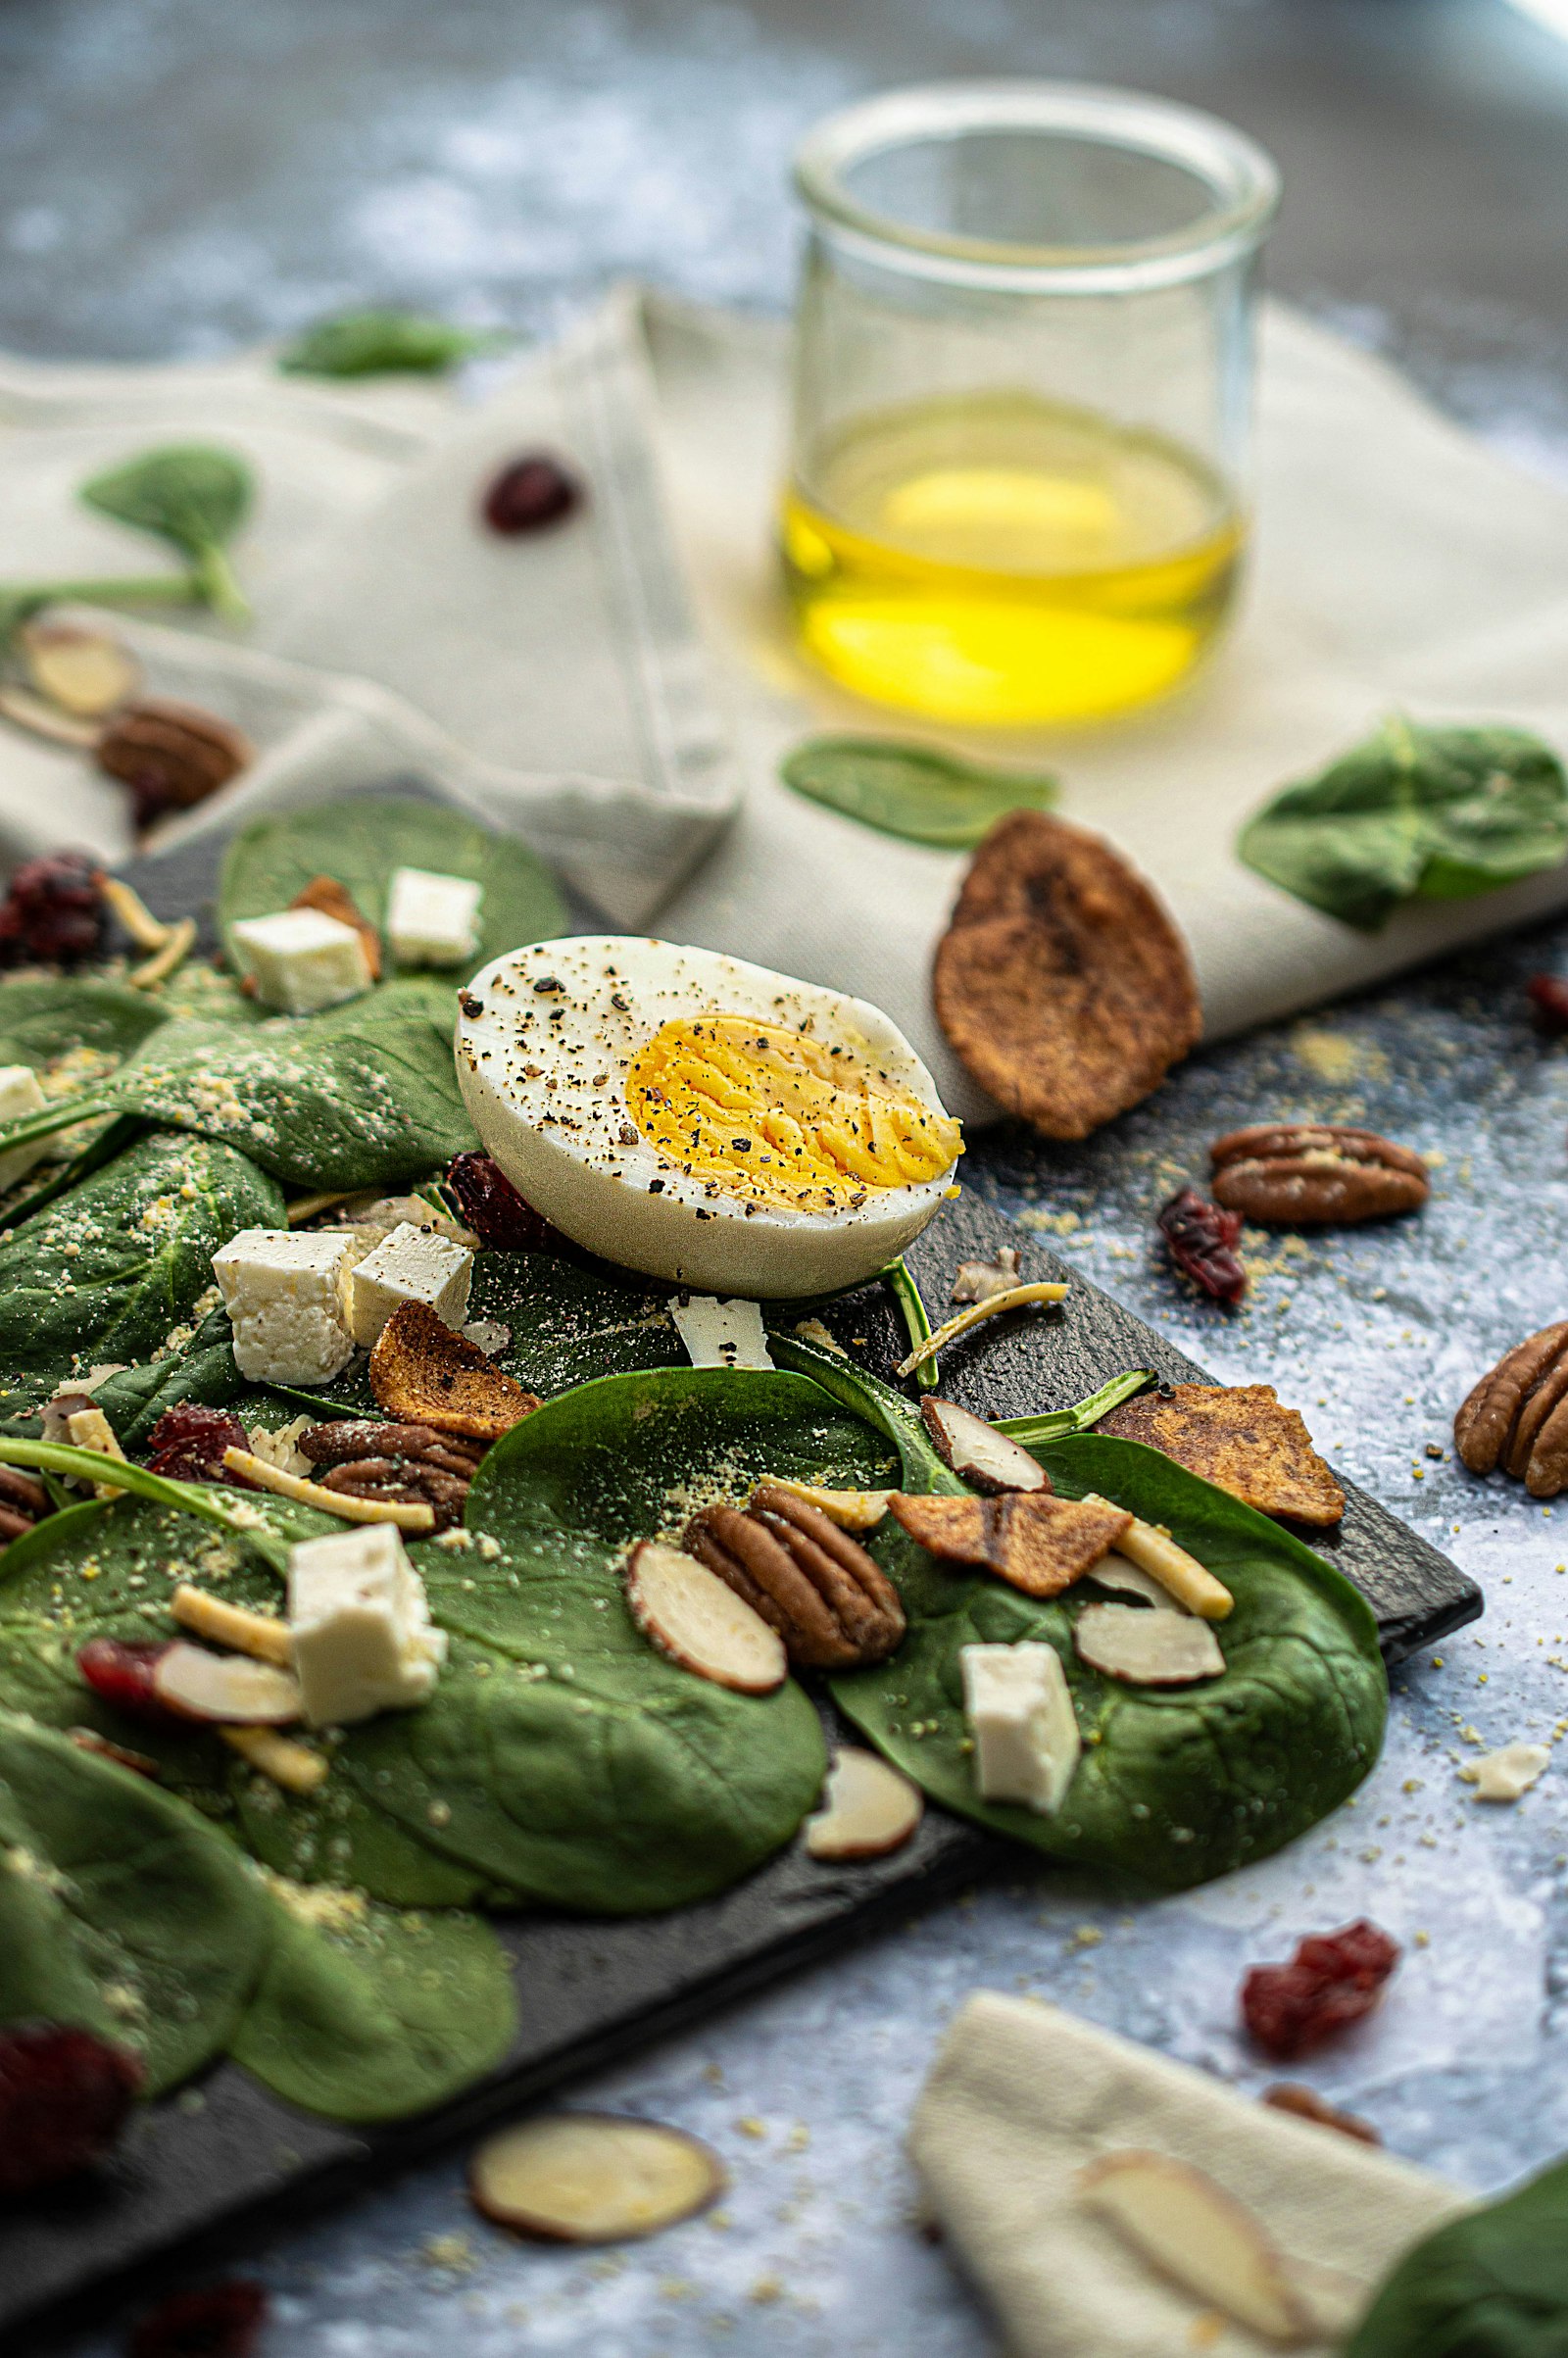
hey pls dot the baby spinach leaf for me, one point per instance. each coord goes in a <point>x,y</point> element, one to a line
<point>382,343</point>
<point>912,790</point>
<point>362,841</point>
<point>1414,813</point>
<point>81,1026</point>
<point>1178,1784</point>
<point>371,2015</point>
<point>107,1272</point>
<point>195,498</point>
<point>119,1909</point>
<point>1491,2284</point>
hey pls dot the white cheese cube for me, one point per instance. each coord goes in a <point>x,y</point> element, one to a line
<point>287,1297</point>
<point>1026,1741</point>
<point>721,1332</point>
<point>20,1094</point>
<point>302,959</point>
<point>411,1265</point>
<point>359,1623</point>
<point>432,920</point>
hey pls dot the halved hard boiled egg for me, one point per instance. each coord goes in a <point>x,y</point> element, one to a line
<point>700,1119</point>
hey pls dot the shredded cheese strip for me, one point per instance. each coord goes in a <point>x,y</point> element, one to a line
<point>851,1509</point>
<point>145,931</point>
<point>173,951</point>
<point>254,1634</point>
<point>1155,1552</point>
<point>91,1429</point>
<point>293,1766</point>
<point>1017,1297</point>
<point>412,1517</point>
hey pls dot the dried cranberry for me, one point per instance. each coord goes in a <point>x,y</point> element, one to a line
<point>222,2321</point>
<point>64,2097</point>
<point>1201,1238</point>
<point>484,1199</point>
<point>1333,1980</point>
<point>1548,995</point>
<point>53,911</point>
<point>531,493</point>
<point>189,1441</point>
<point>122,1674</point>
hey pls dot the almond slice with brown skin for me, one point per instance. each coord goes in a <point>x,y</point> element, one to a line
<point>592,2178</point>
<point>869,1808</point>
<point>1147,1650</point>
<point>1199,2237</point>
<point>977,1452</point>
<point>231,1689</point>
<point>84,671</point>
<point>690,1615</point>
<point>1126,1578</point>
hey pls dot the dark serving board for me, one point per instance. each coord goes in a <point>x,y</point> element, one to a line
<point>199,2181</point>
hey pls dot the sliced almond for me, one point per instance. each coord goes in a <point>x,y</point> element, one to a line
<point>851,1509</point>
<point>1114,1571</point>
<point>592,2178</point>
<point>977,1452</point>
<point>1199,2237</point>
<point>1191,1583</point>
<point>232,1689</point>
<point>84,671</point>
<point>292,1766</point>
<point>690,1615</point>
<point>869,1807</point>
<point>253,1634</point>
<point>1147,1650</point>
<point>1011,1298</point>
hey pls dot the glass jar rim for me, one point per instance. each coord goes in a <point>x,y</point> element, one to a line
<point>1241,178</point>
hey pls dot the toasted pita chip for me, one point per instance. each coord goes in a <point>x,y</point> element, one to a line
<point>1040,1542</point>
<point>425,1373</point>
<point>1241,1438</point>
<point>1062,982</point>
<point>333,900</point>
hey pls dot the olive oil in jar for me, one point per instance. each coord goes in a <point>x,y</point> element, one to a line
<point>998,560</point>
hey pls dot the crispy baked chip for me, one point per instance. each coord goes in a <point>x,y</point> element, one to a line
<point>1241,1438</point>
<point>1040,1542</point>
<point>425,1373</point>
<point>1062,983</point>
<point>330,898</point>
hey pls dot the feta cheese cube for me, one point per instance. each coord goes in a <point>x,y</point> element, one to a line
<point>721,1332</point>
<point>20,1094</point>
<point>411,1265</point>
<point>1026,1741</point>
<point>432,920</point>
<point>302,959</point>
<point>359,1623</point>
<point>287,1298</point>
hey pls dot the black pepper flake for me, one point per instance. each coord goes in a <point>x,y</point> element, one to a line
<point>470,1006</point>
<point>547,982</point>
<point>656,1187</point>
<point>622,1005</point>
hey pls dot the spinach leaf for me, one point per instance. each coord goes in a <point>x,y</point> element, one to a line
<point>360,843</point>
<point>383,343</point>
<point>910,790</point>
<point>1174,1786</point>
<point>361,1095</point>
<point>119,1909</point>
<point>81,1027</point>
<point>195,498</point>
<point>1493,2283</point>
<point>371,2015</point>
<point>1414,813</point>
<point>108,1272</point>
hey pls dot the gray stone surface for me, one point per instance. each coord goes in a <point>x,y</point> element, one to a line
<point>175,178</point>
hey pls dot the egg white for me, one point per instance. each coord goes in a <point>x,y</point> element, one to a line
<point>544,1074</point>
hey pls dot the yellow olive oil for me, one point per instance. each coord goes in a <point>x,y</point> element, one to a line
<point>997,559</point>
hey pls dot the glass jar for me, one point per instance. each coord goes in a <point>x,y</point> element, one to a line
<point>1024,353</point>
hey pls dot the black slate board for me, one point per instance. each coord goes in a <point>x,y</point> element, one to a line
<point>198,2182</point>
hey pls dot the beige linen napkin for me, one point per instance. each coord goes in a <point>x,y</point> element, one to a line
<point>1022,2095</point>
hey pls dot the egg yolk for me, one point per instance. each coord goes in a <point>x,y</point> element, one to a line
<point>758,1111</point>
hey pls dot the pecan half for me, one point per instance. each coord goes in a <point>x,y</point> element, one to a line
<point>1518,1415</point>
<point>833,1607</point>
<point>1316,1175</point>
<point>23,1502</point>
<point>409,1463</point>
<point>171,756</point>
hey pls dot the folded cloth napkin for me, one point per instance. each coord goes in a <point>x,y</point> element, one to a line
<point>1022,2096</point>
<point>561,685</point>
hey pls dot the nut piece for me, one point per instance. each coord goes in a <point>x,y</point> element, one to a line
<point>1515,1417</point>
<point>171,756</point>
<point>397,1461</point>
<point>1062,983</point>
<point>334,900</point>
<point>977,1452</point>
<point>700,1621</point>
<point>1316,1175</point>
<point>833,1607</point>
<point>869,1809</point>
<point>1200,2237</point>
<point>977,1281</point>
<point>1241,1438</point>
<point>84,671</point>
<point>851,1509</point>
<point>1040,1542</point>
<point>232,1688</point>
<point>1147,1650</point>
<point>592,2178</point>
<point>422,1372</point>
